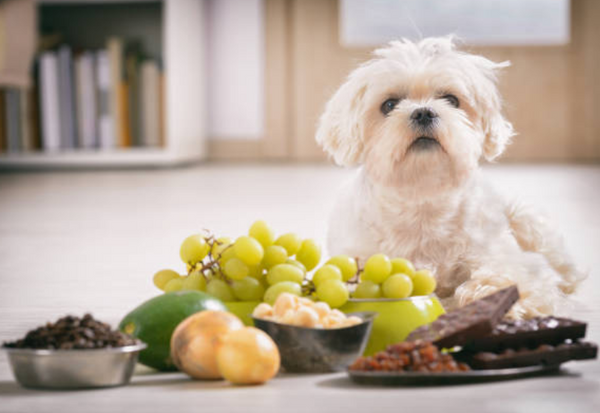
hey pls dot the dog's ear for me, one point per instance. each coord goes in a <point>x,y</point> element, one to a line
<point>340,131</point>
<point>498,134</point>
<point>497,130</point>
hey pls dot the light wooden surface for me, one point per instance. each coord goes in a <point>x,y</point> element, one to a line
<point>90,241</point>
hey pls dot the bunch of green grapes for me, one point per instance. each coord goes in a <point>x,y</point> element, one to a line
<point>254,267</point>
<point>395,278</point>
<point>260,266</point>
<point>380,278</point>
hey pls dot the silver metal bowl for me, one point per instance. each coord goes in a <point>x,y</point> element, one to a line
<point>74,369</point>
<point>318,350</point>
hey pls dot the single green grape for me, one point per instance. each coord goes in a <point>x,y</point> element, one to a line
<point>346,264</point>
<point>377,268</point>
<point>220,245</point>
<point>194,281</point>
<point>248,289</point>
<point>333,292</point>
<point>367,290</point>
<point>248,250</point>
<point>283,287</point>
<point>285,272</point>
<point>402,266</point>
<point>290,241</point>
<point>295,263</point>
<point>274,254</point>
<point>162,277</point>
<point>256,271</point>
<point>261,232</point>
<point>219,289</point>
<point>193,249</point>
<point>397,286</point>
<point>326,272</point>
<point>176,284</point>
<point>236,269</point>
<point>423,283</point>
<point>226,255</point>
<point>309,254</point>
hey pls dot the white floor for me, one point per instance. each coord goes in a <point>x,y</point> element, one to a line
<point>72,242</point>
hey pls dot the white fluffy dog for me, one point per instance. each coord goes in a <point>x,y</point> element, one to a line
<point>417,119</point>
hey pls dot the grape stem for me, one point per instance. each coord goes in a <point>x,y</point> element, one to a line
<point>210,263</point>
<point>356,277</point>
<point>308,288</point>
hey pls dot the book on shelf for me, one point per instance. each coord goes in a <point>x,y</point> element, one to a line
<point>12,118</point>
<point>106,129</point>
<point>161,109</point>
<point>133,57</point>
<point>118,92</point>
<point>68,130</point>
<point>85,84</point>
<point>17,129</point>
<point>85,99</point>
<point>3,142</point>
<point>27,128</point>
<point>50,102</point>
<point>149,103</point>
<point>31,117</point>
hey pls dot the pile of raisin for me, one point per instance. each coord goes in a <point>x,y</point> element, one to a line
<point>415,356</point>
<point>73,333</point>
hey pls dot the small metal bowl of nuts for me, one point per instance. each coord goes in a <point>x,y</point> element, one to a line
<point>73,353</point>
<point>326,342</point>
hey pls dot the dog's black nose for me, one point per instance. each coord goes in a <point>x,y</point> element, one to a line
<point>423,116</point>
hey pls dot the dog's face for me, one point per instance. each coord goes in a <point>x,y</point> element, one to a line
<point>419,116</point>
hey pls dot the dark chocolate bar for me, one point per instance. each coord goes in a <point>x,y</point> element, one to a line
<point>544,355</point>
<point>474,320</point>
<point>528,333</point>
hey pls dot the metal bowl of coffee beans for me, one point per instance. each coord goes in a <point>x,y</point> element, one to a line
<point>74,353</point>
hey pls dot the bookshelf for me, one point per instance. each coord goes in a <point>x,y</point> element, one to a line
<point>181,50</point>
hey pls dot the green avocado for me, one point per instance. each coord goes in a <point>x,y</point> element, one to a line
<point>154,321</point>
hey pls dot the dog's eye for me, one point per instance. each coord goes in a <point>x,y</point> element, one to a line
<point>389,105</point>
<point>453,100</point>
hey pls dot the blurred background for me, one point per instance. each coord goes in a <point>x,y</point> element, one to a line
<point>91,83</point>
<point>126,126</point>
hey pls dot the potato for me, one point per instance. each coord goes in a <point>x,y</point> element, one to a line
<point>195,340</point>
<point>248,356</point>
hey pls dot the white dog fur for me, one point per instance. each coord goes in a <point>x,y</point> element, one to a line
<point>428,202</point>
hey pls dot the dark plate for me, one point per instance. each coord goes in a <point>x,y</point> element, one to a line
<point>380,378</point>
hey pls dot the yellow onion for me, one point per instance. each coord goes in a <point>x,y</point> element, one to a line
<point>248,356</point>
<point>195,340</point>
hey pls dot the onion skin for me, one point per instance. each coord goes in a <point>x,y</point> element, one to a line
<point>248,356</point>
<point>195,341</point>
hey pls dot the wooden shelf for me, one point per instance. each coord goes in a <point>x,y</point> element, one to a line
<point>94,1</point>
<point>96,159</point>
<point>185,130</point>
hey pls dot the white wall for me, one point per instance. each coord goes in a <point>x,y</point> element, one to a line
<point>368,23</point>
<point>235,72</point>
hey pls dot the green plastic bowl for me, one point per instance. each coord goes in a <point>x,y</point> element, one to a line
<point>396,318</point>
<point>243,309</point>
